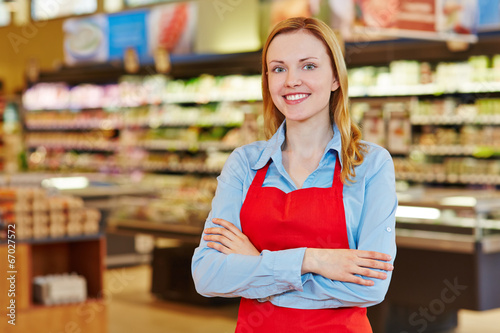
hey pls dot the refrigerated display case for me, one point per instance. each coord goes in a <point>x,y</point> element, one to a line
<point>448,259</point>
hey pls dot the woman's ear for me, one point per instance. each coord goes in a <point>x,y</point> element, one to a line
<point>335,84</point>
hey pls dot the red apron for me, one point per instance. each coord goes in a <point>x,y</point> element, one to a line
<point>312,217</point>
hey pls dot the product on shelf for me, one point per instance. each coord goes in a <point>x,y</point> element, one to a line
<point>87,141</point>
<point>38,215</point>
<point>183,200</point>
<point>454,170</point>
<point>154,115</point>
<point>402,77</point>
<point>59,289</point>
<point>135,91</point>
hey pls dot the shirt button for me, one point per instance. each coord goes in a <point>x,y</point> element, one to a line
<point>388,229</point>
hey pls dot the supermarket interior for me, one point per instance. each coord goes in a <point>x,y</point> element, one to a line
<point>117,116</point>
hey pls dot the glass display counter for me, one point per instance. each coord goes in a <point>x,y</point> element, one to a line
<point>448,259</point>
<point>462,221</point>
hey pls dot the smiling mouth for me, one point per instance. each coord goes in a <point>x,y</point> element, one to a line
<point>295,97</point>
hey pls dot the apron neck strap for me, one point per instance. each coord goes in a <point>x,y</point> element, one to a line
<point>337,184</point>
<point>261,175</point>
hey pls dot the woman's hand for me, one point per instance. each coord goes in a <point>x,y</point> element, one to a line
<point>229,239</point>
<point>345,264</point>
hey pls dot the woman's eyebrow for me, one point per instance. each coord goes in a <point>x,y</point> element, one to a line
<point>308,58</point>
<point>300,60</point>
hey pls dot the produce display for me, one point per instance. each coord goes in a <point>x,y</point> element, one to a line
<point>149,124</point>
<point>453,170</point>
<point>183,200</point>
<point>134,91</point>
<point>410,78</point>
<point>441,122</point>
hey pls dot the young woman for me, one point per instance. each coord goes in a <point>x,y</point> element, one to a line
<point>302,225</point>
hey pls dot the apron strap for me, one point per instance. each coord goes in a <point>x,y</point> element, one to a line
<point>337,184</point>
<point>261,175</point>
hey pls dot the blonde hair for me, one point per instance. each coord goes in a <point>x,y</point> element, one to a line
<point>352,149</point>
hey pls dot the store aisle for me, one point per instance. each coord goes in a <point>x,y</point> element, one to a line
<point>132,309</point>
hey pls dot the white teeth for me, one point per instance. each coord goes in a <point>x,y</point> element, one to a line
<point>295,97</point>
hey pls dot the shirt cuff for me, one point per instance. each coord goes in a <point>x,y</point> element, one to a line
<point>288,268</point>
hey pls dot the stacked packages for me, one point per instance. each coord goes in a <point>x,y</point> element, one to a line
<point>38,215</point>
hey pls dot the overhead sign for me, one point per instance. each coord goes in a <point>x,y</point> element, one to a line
<point>426,19</point>
<point>101,38</point>
<point>86,39</point>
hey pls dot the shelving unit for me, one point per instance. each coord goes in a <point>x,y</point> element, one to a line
<point>453,125</point>
<point>182,126</point>
<point>167,125</point>
<point>84,256</point>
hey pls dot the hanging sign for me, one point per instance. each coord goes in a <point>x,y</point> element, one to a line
<point>425,19</point>
<point>102,38</point>
<point>86,39</point>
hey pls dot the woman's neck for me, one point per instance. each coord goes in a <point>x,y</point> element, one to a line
<point>305,140</point>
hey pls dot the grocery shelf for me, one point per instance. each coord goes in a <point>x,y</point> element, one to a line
<point>445,150</point>
<point>68,239</point>
<point>430,89</point>
<point>449,178</point>
<point>179,145</point>
<point>74,126</point>
<point>184,98</point>
<point>183,66</point>
<point>72,146</point>
<point>181,168</point>
<point>455,120</point>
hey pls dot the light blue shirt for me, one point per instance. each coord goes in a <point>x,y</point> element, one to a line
<point>370,205</point>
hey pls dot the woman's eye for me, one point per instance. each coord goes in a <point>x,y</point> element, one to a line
<point>310,66</point>
<point>278,69</point>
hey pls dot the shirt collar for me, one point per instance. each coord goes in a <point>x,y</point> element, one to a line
<point>272,148</point>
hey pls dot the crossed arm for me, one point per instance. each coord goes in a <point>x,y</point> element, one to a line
<point>346,265</point>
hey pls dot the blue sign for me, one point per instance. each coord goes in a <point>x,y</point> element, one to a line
<point>128,30</point>
<point>489,13</point>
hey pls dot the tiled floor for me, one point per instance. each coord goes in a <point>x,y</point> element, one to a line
<point>133,309</point>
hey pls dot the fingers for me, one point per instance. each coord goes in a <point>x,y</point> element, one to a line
<point>375,264</point>
<point>228,225</point>
<point>373,255</point>
<point>219,239</point>
<point>220,231</point>
<point>357,280</point>
<point>219,247</point>
<point>366,272</point>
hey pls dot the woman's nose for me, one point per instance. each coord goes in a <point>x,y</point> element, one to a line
<point>293,79</point>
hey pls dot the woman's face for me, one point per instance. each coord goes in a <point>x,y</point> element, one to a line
<point>300,76</point>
